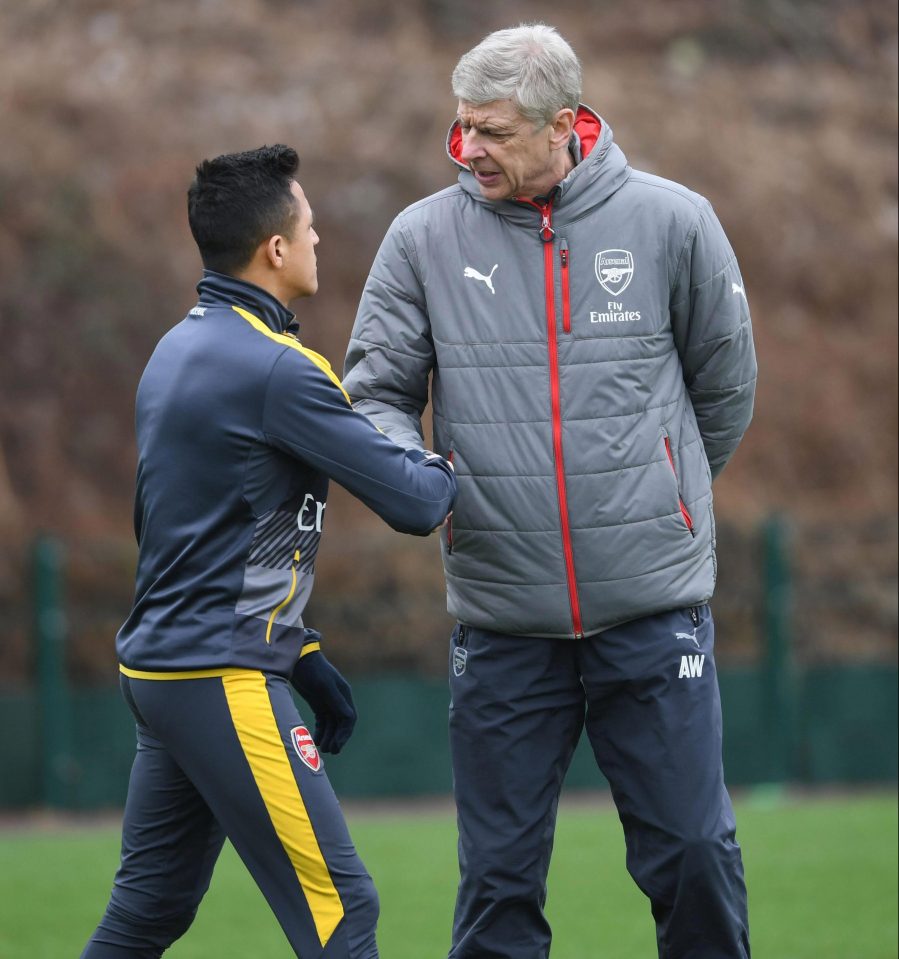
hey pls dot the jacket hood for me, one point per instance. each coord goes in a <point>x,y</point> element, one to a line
<point>600,169</point>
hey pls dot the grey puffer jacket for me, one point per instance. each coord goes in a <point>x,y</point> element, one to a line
<point>592,368</point>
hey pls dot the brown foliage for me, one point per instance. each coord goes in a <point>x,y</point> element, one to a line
<point>783,114</point>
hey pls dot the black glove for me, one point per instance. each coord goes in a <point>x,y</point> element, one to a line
<point>330,697</point>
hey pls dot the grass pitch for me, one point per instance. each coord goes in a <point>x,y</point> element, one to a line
<point>821,871</point>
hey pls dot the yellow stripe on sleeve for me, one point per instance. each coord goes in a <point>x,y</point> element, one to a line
<point>295,344</point>
<point>312,647</point>
<point>257,731</point>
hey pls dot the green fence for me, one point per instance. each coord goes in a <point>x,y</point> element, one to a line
<point>786,719</point>
<point>846,733</point>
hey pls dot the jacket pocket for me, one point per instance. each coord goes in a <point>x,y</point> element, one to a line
<point>688,519</point>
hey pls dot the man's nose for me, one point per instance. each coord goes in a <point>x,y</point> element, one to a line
<point>472,147</point>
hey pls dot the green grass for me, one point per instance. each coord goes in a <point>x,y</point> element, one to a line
<point>822,877</point>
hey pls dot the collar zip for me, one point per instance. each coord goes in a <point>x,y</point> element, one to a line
<point>545,230</point>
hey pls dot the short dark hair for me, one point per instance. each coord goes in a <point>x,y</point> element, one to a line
<point>239,200</point>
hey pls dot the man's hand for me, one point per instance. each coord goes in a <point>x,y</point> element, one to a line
<point>435,459</point>
<point>330,697</point>
<point>427,458</point>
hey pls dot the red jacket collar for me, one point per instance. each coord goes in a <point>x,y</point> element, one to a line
<point>587,126</point>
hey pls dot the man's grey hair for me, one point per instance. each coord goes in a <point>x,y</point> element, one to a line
<point>531,65</point>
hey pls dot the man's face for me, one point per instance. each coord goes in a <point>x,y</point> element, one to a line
<point>301,263</point>
<point>507,154</point>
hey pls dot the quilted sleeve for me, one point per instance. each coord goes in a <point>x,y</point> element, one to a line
<point>391,354</point>
<point>713,333</point>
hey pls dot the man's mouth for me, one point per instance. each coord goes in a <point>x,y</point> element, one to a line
<point>487,177</point>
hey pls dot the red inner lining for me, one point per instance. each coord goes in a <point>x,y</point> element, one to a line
<point>586,125</point>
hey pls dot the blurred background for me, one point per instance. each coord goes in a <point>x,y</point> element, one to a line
<point>782,112</point>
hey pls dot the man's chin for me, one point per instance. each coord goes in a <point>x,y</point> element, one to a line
<point>492,186</point>
<point>310,289</point>
<point>495,192</point>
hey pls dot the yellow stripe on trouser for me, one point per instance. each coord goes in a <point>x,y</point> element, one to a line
<point>261,742</point>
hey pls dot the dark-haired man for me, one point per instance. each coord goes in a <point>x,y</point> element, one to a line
<point>239,428</point>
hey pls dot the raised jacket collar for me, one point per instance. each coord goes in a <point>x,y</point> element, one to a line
<point>218,289</point>
<point>600,169</point>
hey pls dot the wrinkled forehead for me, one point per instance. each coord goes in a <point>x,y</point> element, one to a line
<point>496,113</point>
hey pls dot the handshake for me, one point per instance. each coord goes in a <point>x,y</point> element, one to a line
<point>430,459</point>
<point>433,459</point>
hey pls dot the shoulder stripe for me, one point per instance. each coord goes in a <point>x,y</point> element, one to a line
<point>294,344</point>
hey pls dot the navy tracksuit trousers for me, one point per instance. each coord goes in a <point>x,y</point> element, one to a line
<point>647,694</point>
<point>218,757</point>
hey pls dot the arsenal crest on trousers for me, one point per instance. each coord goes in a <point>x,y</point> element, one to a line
<point>305,746</point>
<point>460,659</point>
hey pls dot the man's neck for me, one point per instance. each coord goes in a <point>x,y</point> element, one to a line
<point>264,280</point>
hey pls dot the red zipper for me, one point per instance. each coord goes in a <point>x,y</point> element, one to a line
<point>566,304</point>
<point>688,519</point>
<point>546,235</point>
<point>449,519</point>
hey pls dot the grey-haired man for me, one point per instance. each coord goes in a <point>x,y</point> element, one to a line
<point>588,343</point>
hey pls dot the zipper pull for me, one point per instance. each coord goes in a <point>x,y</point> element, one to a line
<point>694,615</point>
<point>546,231</point>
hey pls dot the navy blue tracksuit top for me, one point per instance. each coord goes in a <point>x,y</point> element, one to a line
<point>239,428</point>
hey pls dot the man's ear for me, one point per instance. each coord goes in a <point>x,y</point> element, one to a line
<point>275,251</point>
<point>562,128</point>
